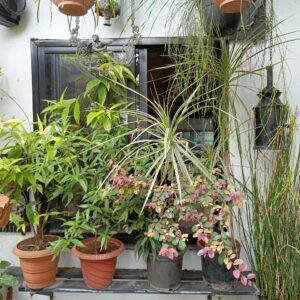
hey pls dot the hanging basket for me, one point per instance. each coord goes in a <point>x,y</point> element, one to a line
<point>232,6</point>
<point>4,210</point>
<point>75,8</point>
<point>219,23</point>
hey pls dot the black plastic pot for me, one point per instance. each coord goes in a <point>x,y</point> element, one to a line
<point>164,275</point>
<point>216,275</point>
<point>219,23</point>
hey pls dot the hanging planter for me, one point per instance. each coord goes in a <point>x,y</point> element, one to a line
<point>98,269</point>
<point>75,8</point>
<point>215,274</point>
<point>232,6</point>
<point>109,10</point>
<point>164,274</point>
<point>4,210</point>
<point>38,266</point>
<point>219,23</point>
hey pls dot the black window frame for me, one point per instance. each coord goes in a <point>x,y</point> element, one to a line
<point>40,48</point>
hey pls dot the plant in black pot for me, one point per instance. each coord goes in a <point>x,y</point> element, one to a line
<point>219,250</point>
<point>163,244</point>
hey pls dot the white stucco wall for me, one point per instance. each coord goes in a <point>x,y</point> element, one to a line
<point>15,59</point>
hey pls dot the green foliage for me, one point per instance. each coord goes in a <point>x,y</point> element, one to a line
<point>270,221</point>
<point>105,211</point>
<point>6,280</point>
<point>105,143</point>
<point>163,236</point>
<point>32,164</point>
<point>102,100</point>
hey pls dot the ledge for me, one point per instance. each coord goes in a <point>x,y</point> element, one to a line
<point>128,281</point>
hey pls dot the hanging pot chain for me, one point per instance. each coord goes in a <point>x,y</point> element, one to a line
<point>271,32</point>
<point>135,28</point>
<point>129,49</point>
<point>74,32</point>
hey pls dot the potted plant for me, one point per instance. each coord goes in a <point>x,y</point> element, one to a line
<point>31,165</point>
<point>219,250</point>
<point>102,213</point>
<point>74,8</point>
<point>217,22</point>
<point>163,244</point>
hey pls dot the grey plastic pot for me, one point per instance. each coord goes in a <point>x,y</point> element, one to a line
<point>164,275</point>
<point>216,275</point>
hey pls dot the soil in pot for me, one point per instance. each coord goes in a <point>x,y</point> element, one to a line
<point>164,274</point>
<point>98,269</point>
<point>38,266</point>
<point>215,274</point>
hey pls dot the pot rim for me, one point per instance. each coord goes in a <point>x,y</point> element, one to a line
<point>75,251</point>
<point>33,254</point>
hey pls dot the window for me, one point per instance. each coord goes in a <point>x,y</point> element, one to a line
<point>55,68</point>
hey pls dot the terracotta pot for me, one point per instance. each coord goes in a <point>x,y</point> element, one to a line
<point>216,275</point>
<point>39,270</point>
<point>4,210</point>
<point>98,269</point>
<point>76,8</point>
<point>232,6</point>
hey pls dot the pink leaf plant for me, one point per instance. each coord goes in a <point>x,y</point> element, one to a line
<point>214,202</point>
<point>240,267</point>
<point>168,252</point>
<point>163,229</point>
<point>207,251</point>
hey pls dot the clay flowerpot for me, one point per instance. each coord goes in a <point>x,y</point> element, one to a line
<point>232,6</point>
<point>38,267</point>
<point>4,210</point>
<point>164,274</point>
<point>98,269</point>
<point>216,275</point>
<point>76,8</point>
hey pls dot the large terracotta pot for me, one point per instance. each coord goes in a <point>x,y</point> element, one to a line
<point>232,6</point>
<point>98,269</point>
<point>38,267</point>
<point>4,210</point>
<point>74,8</point>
